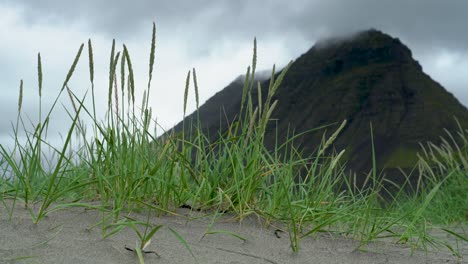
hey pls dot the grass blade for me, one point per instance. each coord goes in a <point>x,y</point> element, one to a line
<point>212,232</point>
<point>182,240</point>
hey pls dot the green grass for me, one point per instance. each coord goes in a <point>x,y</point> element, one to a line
<point>126,167</point>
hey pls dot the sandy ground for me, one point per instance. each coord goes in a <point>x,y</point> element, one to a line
<point>71,236</point>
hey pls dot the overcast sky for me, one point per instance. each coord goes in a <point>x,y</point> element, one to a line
<point>215,37</point>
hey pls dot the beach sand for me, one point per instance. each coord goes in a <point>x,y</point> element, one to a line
<point>71,236</point>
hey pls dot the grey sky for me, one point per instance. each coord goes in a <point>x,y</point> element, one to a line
<point>422,22</point>
<point>215,37</point>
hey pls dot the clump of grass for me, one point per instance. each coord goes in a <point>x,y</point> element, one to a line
<point>127,167</point>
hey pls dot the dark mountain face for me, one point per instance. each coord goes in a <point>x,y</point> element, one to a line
<point>369,78</point>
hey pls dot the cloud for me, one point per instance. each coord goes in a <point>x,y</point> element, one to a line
<point>215,37</point>
<point>422,22</point>
<point>58,44</point>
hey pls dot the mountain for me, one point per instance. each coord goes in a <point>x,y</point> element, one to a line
<point>369,77</point>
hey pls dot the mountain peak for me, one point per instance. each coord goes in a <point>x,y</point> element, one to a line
<point>371,38</point>
<point>337,54</point>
